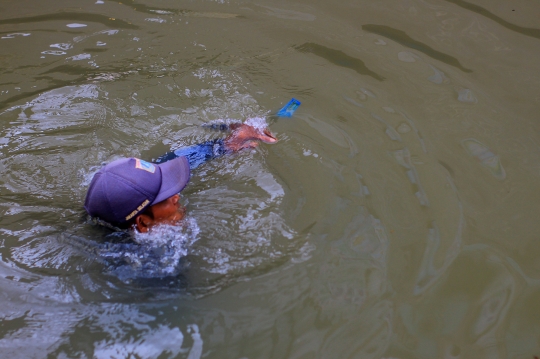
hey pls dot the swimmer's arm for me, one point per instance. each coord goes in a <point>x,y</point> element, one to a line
<point>243,136</point>
<point>197,154</point>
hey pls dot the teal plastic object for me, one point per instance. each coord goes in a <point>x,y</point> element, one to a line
<point>288,109</point>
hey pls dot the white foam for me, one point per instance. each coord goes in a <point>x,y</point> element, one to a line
<point>80,57</point>
<point>61,46</point>
<point>196,350</point>
<point>152,345</point>
<point>258,122</point>
<point>12,36</point>
<point>155,254</point>
<point>75,25</point>
<point>53,52</point>
<point>155,19</point>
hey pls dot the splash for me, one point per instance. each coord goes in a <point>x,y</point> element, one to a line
<point>257,122</point>
<point>221,124</point>
<point>155,254</point>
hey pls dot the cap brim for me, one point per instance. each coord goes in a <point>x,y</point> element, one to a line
<point>174,177</point>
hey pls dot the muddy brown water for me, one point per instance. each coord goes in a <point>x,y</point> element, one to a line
<point>397,216</point>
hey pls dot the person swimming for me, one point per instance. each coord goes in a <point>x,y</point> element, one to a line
<point>136,194</point>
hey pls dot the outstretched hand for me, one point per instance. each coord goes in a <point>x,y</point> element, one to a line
<point>246,136</point>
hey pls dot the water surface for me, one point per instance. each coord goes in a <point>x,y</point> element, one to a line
<point>395,218</point>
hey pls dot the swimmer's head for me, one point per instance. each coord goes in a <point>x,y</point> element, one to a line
<point>134,192</point>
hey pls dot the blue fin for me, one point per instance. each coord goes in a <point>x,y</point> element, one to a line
<point>288,109</point>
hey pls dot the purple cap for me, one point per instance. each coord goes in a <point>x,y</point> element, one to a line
<point>124,188</point>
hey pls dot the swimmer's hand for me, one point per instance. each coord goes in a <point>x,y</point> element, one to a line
<point>246,136</point>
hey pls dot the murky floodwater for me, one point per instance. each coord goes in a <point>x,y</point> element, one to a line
<point>395,218</point>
